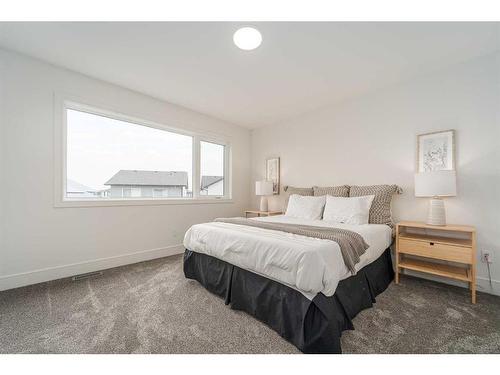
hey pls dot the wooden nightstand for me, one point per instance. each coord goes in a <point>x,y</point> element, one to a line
<point>418,244</point>
<point>262,213</point>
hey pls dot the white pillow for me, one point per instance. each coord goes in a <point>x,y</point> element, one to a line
<point>353,210</point>
<point>305,207</point>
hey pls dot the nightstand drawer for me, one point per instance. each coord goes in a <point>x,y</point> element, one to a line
<point>434,250</point>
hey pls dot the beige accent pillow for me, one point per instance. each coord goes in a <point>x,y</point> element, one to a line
<point>380,211</point>
<point>334,191</point>
<point>289,190</point>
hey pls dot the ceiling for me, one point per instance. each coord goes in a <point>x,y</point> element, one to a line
<point>299,67</point>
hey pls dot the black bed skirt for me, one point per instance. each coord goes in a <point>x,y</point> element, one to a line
<point>312,326</point>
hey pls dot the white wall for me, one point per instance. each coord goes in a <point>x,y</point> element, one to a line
<point>372,140</point>
<point>3,192</point>
<point>40,242</point>
<point>367,140</point>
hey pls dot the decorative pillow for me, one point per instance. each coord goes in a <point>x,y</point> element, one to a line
<point>380,211</point>
<point>353,210</point>
<point>294,190</point>
<point>304,207</point>
<point>334,191</point>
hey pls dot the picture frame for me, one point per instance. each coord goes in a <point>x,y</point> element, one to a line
<point>273,173</point>
<point>436,151</point>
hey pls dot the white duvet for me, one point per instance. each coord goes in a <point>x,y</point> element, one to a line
<point>309,265</point>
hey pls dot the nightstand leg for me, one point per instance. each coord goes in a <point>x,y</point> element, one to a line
<point>396,254</point>
<point>473,284</point>
<point>396,278</point>
<point>473,267</point>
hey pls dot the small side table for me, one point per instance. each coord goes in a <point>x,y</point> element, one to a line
<point>419,251</point>
<point>262,213</point>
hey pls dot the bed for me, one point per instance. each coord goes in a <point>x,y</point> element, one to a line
<point>299,286</point>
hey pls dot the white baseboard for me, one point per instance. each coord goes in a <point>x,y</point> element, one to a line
<point>483,285</point>
<point>59,272</point>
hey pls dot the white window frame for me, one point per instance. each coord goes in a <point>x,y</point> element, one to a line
<point>63,102</point>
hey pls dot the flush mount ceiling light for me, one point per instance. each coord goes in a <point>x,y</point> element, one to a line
<point>247,38</point>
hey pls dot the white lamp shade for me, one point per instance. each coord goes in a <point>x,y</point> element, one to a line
<point>264,188</point>
<point>436,184</point>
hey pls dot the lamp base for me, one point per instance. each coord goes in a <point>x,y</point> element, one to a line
<point>437,214</point>
<point>263,203</point>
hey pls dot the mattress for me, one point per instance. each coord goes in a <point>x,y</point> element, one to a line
<point>309,265</point>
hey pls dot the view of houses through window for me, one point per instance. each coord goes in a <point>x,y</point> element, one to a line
<point>108,158</point>
<point>212,168</point>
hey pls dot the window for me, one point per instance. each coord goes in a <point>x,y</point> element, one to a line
<point>109,157</point>
<point>211,169</point>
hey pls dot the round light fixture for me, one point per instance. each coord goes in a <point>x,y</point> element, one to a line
<point>247,38</point>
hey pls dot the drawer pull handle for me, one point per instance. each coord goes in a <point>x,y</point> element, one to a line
<point>431,243</point>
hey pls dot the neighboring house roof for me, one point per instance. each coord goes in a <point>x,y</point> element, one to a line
<point>149,178</point>
<point>76,187</point>
<point>207,181</point>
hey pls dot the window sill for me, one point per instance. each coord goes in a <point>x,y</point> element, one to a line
<point>137,202</point>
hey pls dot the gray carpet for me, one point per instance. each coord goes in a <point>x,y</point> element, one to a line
<point>150,307</point>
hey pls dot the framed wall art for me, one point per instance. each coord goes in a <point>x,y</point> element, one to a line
<point>436,151</point>
<point>273,173</point>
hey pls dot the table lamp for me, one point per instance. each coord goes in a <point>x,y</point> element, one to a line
<point>436,184</point>
<point>263,188</point>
